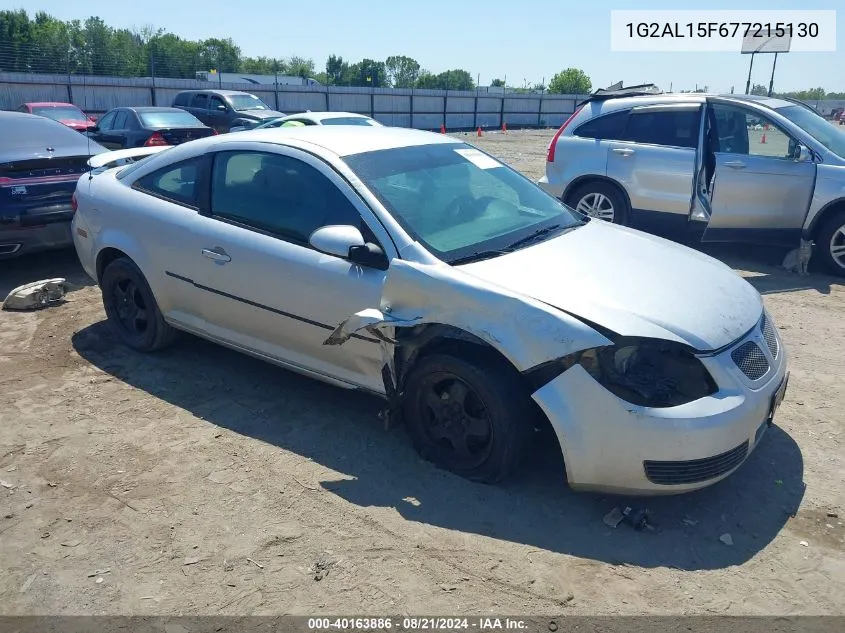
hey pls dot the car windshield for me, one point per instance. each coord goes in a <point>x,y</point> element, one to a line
<point>60,113</point>
<point>247,102</point>
<point>348,120</point>
<point>459,202</point>
<point>816,126</point>
<point>158,120</point>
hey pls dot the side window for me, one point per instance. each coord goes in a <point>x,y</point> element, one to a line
<point>178,183</point>
<point>277,194</point>
<point>740,131</point>
<point>120,120</point>
<point>106,122</point>
<point>200,101</point>
<point>610,127</point>
<point>674,128</point>
<point>216,102</point>
<point>181,99</point>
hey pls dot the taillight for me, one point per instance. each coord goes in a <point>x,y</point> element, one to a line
<point>155,140</point>
<point>553,145</point>
<point>73,203</point>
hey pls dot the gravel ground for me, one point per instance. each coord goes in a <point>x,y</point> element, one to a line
<point>200,481</point>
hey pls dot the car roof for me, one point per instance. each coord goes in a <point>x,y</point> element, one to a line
<point>319,116</point>
<point>622,102</point>
<point>48,104</point>
<point>346,140</point>
<point>216,91</point>
<point>143,109</point>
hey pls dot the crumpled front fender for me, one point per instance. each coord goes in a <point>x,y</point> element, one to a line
<point>525,331</point>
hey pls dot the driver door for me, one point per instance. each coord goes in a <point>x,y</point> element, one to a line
<point>760,192</point>
<point>265,289</point>
<point>218,114</point>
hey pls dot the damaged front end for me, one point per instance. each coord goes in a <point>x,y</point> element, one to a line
<point>644,372</point>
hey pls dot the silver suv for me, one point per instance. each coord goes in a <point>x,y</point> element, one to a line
<point>719,167</point>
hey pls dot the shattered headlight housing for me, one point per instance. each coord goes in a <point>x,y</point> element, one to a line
<point>645,372</point>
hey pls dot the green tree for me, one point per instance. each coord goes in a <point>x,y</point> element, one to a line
<point>572,81</point>
<point>759,89</point>
<point>336,70</point>
<point>299,67</point>
<point>427,80</point>
<point>402,72</point>
<point>368,73</point>
<point>456,80</point>
<point>222,55</point>
<point>497,83</point>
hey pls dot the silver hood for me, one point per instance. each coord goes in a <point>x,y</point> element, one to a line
<point>633,283</point>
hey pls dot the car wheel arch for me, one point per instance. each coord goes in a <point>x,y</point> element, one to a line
<point>591,178</point>
<point>818,221</point>
<point>105,257</point>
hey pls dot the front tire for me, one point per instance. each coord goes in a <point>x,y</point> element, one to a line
<point>474,419</point>
<point>131,308</point>
<point>599,200</point>
<point>830,242</point>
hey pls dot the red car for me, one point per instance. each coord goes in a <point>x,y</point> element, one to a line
<point>65,113</point>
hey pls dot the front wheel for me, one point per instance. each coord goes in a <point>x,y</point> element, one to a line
<point>830,242</point>
<point>474,419</point>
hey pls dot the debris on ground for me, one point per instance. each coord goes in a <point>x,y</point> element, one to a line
<point>7,484</point>
<point>832,515</point>
<point>255,562</point>
<point>690,522</point>
<point>99,572</point>
<point>727,539</point>
<point>36,295</point>
<point>804,544</point>
<point>191,560</point>
<point>613,518</point>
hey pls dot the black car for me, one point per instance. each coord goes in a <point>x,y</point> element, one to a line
<point>40,162</point>
<point>225,109</point>
<point>122,128</point>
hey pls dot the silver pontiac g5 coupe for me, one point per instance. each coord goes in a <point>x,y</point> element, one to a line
<point>416,267</point>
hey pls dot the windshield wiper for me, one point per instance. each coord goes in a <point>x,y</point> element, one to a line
<point>536,235</point>
<point>474,257</point>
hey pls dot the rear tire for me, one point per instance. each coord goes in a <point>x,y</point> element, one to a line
<point>472,418</point>
<point>600,200</point>
<point>131,308</point>
<point>830,243</point>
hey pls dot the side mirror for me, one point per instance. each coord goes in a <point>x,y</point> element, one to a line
<point>803,154</point>
<point>222,108</point>
<point>347,242</point>
<point>93,128</point>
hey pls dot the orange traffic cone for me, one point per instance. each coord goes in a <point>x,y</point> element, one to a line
<point>479,131</point>
<point>442,128</point>
<point>763,140</point>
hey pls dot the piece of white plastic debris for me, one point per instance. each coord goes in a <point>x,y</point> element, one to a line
<point>804,544</point>
<point>727,539</point>
<point>34,295</point>
<point>613,518</point>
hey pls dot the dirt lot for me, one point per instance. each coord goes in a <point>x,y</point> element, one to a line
<point>200,481</point>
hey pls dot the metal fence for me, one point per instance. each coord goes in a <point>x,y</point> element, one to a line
<point>416,108</point>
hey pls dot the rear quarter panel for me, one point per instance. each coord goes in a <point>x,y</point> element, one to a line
<point>576,157</point>
<point>829,191</point>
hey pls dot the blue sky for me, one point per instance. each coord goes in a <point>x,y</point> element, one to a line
<point>491,38</point>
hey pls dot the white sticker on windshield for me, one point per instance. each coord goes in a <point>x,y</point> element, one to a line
<point>479,159</point>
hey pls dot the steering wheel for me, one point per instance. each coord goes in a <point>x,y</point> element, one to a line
<point>467,207</point>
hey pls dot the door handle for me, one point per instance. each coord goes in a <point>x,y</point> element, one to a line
<point>735,164</point>
<point>622,151</point>
<point>217,254</point>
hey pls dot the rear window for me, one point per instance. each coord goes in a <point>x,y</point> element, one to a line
<point>609,126</point>
<point>60,113</point>
<point>37,133</point>
<point>348,120</point>
<point>160,120</point>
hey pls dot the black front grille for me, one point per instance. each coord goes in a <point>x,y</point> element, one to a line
<point>751,360</point>
<point>770,336</point>
<point>695,470</point>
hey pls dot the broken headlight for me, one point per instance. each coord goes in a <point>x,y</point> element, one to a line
<point>644,372</point>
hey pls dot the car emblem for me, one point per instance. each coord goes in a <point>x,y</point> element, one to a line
<point>20,190</point>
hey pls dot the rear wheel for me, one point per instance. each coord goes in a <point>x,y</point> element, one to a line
<point>599,200</point>
<point>474,419</point>
<point>131,308</point>
<point>830,243</point>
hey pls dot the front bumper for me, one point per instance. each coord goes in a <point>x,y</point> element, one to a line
<point>16,241</point>
<point>613,446</point>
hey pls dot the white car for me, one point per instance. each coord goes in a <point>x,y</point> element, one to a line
<point>314,118</point>
<point>416,267</point>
